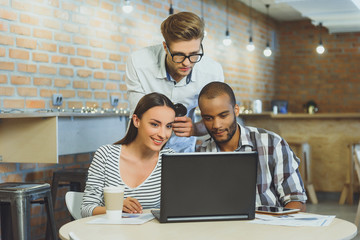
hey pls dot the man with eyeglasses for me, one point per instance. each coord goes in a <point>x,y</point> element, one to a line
<point>177,68</point>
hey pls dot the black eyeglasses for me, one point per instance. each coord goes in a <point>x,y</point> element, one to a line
<point>179,57</point>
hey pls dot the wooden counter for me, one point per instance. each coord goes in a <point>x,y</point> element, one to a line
<point>42,137</point>
<point>328,134</point>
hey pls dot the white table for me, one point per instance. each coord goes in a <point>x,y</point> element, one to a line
<point>338,229</point>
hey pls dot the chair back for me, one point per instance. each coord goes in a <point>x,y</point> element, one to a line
<point>73,202</point>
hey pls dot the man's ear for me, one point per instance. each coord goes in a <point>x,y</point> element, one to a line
<point>164,45</point>
<point>136,120</point>
<point>237,110</point>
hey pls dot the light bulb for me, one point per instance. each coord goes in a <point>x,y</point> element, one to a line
<point>267,52</point>
<point>320,49</point>
<point>127,8</point>
<point>205,33</point>
<point>227,40</point>
<point>250,47</point>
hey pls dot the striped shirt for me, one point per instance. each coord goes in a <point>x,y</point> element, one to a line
<point>278,178</point>
<point>105,171</point>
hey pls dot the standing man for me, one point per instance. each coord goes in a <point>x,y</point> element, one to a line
<point>278,179</point>
<point>177,68</point>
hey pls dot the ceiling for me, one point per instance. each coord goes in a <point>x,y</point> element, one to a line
<point>336,15</point>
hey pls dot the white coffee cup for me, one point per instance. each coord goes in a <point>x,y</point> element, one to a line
<point>114,200</point>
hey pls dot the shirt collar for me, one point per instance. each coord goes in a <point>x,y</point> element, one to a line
<point>244,139</point>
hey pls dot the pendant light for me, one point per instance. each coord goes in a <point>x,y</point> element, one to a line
<point>202,16</point>
<point>227,39</point>
<point>267,52</point>
<point>320,48</point>
<point>250,46</point>
<point>127,7</point>
<point>171,10</point>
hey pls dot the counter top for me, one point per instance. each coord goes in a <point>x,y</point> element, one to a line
<point>62,114</point>
<point>301,115</point>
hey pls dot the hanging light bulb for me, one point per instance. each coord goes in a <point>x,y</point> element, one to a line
<point>320,48</point>
<point>227,40</point>
<point>127,7</point>
<point>267,51</point>
<point>171,10</point>
<point>250,46</point>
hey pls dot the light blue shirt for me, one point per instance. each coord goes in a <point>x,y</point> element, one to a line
<point>146,73</point>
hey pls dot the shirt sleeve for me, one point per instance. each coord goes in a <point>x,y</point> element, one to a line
<point>133,84</point>
<point>287,179</point>
<point>95,183</point>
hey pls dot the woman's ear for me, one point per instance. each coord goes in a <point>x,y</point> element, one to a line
<point>136,120</point>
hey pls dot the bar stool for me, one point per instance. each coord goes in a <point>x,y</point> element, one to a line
<point>74,177</point>
<point>15,199</point>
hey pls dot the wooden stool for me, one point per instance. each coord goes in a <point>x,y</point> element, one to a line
<point>302,150</point>
<point>15,199</point>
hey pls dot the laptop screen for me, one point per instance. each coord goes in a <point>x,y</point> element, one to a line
<point>208,186</point>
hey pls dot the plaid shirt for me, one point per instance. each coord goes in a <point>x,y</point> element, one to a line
<point>278,178</point>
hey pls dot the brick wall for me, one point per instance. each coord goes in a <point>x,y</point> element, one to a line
<point>332,79</point>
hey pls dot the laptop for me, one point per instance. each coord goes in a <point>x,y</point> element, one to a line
<point>207,186</point>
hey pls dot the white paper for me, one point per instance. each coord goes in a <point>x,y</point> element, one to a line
<point>126,219</point>
<point>294,220</point>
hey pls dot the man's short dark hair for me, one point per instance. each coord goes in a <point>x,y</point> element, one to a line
<point>215,89</point>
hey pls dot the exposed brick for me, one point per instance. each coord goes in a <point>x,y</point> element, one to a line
<point>111,86</point>
<point>7,66</point>
<point>20,30</point>
<point>99,55</point>
<point>50,47</point>
<point>47,70</point>
<point>93,64</point>
<point>2,52</point>
<point>7,167</point>
<point>101,95</point>
<point>95,85</point>
<point>27,92</point>
<point>64,15</point>
<point>46,93</point>
<point>80,84</point>
<point>84,94</point>
<point>67,93</point>
<point>91,104</point>
<point>75,104</point>
<point>111,46</point>
<point>59,59</point>
<point>3,26</point>
<point>108,65</point>
<point>84,52</point>
<point>42,81</point>
<point>3,79</point>
<point>114,76</point>
<point>61,82</point>
<point>12,177</point>
<point>87,10</point>
<point>35,103</point>
<point>125,49</point>
<point>70,7</point>
<point>102,14</point>
<point>77,61</point>
<point>72,28</point>
<point>62,37</point>
<point>121,67</point>
<point>67,50</point>
<point>84,73</point>
<point>66,72</point>
<point>54,3</point>
<point>8,15</point>
<point>123,87</point>
<point>6,40</point>
<point>26,43</point>
<point>86,157</point>
<point>99,75</point>
<point>19,54</point>
<point>115,57</point>
<point>6,91</point>
<point>40,57</point>
<point>76,18</point>
<point>80,40</point>
<point>27,19</point>
<point>31,68</point>
<point>20,80</point>
<point>51,23</point>
<point>41,33</point>
<point>96,43</point>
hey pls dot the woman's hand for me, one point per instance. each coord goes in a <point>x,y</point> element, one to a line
<point>132,205</point>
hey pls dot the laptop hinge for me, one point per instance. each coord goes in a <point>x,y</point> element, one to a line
<point>208,218</point>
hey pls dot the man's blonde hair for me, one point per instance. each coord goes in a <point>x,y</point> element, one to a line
<point>182,26</point>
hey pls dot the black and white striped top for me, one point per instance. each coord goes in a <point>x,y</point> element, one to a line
<point>105,171</point>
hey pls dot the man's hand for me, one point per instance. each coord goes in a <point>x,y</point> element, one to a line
<point>132,205</point>
<point>183,127</point>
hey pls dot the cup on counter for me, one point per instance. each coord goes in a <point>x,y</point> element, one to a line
<point>257,106</point>
<point>114,200</point>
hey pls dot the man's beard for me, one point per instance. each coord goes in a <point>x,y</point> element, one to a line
<point>230,134</point>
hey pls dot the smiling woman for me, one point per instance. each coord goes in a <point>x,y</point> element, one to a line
<point>134,162</point>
